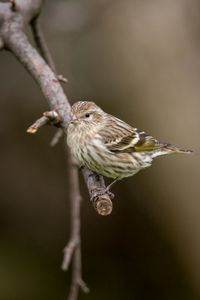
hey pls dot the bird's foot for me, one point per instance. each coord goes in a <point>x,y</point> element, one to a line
<point>102,191</point>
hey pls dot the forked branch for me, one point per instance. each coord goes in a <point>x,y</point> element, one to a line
<point>14,16</point>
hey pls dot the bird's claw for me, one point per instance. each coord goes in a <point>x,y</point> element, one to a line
<point>97,192</point>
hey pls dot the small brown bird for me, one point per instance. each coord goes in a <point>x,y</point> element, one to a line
<point>109,146</point>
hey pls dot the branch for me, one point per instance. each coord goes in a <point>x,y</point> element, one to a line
<point>49,117</point>
<point>101,201</point>
<point>74,244</point>
<point>57,136</point>
<point>14,16</point>
<point>41,43</point>
<point>15,40</point>
<point>42,47</point>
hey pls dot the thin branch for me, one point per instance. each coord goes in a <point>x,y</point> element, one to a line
<point>68,253</point>
<point>57,136</point>
<point>1,44</point>
<point>49,117</point>
<point>41,43</point>
<point>43,48</point>
<point>77,281</point>
<point>37,124</point>
<point>73,248</point>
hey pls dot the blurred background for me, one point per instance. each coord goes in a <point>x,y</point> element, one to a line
<point>138,60</point>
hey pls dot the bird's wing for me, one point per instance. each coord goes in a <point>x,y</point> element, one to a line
<point>118,136</point>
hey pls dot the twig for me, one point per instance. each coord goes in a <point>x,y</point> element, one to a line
<point>41,43</point>
<point>61,78</point>
<point>42,47</point>
<point>49,117</point>
<point>57,136</point>
<point>68,253</point>
<point>1,44</point>
<point>73,248</point>
<point>76,279</point>
<point>38,123</point>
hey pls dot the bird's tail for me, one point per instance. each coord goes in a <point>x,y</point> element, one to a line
<point>166,149</point>
<point>173,149</point>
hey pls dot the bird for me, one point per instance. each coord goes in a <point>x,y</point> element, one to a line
<point>109,146</point>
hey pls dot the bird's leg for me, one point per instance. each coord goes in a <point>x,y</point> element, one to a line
<point>101,191</point>
<point>109,186</point>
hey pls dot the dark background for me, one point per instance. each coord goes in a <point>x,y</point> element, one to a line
<point>138,60</point>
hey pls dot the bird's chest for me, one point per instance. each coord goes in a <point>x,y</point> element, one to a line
<point>79,142</point>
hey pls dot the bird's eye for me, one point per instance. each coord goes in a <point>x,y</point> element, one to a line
<point>87,115</point>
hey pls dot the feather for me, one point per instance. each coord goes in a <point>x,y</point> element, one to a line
<point>121,137</point>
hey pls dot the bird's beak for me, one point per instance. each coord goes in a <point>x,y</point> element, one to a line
<point>73,120</point>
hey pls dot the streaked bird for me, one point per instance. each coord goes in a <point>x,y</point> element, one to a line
<point>109,146</point>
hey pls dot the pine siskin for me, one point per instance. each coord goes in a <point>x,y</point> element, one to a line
<point>109,146</point>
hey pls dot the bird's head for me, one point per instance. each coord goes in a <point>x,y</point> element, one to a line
<point>86,114</point>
